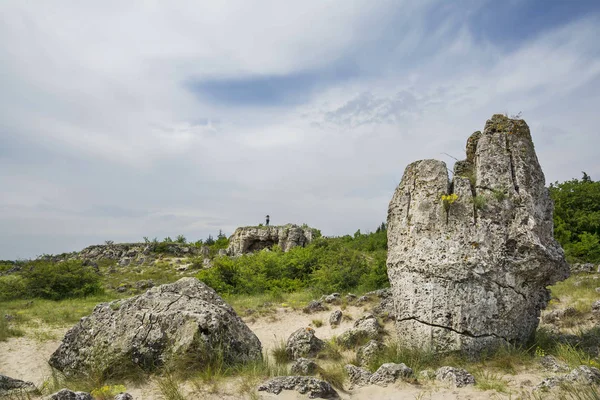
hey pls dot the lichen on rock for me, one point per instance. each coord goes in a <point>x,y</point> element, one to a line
<point>472,274</point>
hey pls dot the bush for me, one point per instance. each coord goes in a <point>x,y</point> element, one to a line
<point>12,287</point>
<point>60,280</point>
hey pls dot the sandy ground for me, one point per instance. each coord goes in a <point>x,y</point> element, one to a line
<point>26,358</point>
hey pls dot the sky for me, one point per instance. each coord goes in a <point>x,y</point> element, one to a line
<point>120,120</point>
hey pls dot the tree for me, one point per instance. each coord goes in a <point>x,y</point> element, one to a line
<point>577,218</point>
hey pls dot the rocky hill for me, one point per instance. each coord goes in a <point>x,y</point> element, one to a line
<point>253,238</point>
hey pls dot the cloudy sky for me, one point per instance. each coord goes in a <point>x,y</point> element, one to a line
<point>120,120</point>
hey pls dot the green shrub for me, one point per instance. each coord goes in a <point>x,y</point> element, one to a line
<point>60,280</point>
<point>12,287</point>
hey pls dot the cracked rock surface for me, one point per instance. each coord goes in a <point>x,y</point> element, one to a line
<point>182,318</point>
<point>470,272</point>
<point>315,388</point>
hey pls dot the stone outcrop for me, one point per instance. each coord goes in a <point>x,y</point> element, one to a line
<point>362,330</point>
<point>254,238</point>
<point>390,372</point>
<point>303,343</point>
<point>456,376</point>
<point>315,388</point>
<point>304,366</point>
<point>10,386</point>
<point>469,259</point>
<point>66,394</point>
<point>185,318</point>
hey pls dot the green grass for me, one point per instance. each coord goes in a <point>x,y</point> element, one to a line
<point>50,313</point>
<point>578,291</point>
<point>7,329</point>
<point>335,374</point>
<point>170,388</point>
<point>317,323</point>
<point>279,353</point>
<point>487,380</point>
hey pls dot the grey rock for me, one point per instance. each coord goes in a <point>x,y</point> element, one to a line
<point>456,376</point>
<point>66,394</point>
<point>350,297</point>
<point>335,318</point>
<point>596,307</point>
<point>358,376</point>
<point>363,329</point>
<point>315,388</point>
<point>385,309</point>
<point>597,290</point>
<point>579,268</point>
<point>314,306</point>
<point>390,373</point>
<point>380,293</point>
<point>550,363</point>
<point>185,317</point>
<point>584,374</point>
<point>470,272</point>
<point>557,315</point>
<point>427,374</point>
<point>333,298</point>
<point>303,343</point>
<point>10,385</point>
<point>253,238</point>
<point>304,366</point>
<point>362,300</point>
<point>367,353</point>
<point>144,284</point>
<point>123,396</point>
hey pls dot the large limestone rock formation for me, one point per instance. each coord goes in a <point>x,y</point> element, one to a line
<point>183,319</point>
<point>253,238</point>
<point>469,270</point>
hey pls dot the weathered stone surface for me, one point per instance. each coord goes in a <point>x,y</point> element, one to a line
<point>550,363</point>
<point>588,267</point>
<point>358,376</point>
<point>304,366</point>
<point>252,238</point>
<point>390,373</point>
<point>581,375</point>
<point>456,376</point>
<point>315,388</point>
<point>363,329</point>
<point>557,315</point>
<point>10,385</point>
<point>471,272</point>
<point>303,343</point>
<point>333,298</point>
<point>66,394</point>
<point>365,354</point>
<point>335,318</point>
<point>596,307</point>
<point>123,396</point>
<point>314,306</point>
<point>183,318</point>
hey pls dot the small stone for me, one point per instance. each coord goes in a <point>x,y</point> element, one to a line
<point>304,366</point>
<point>389,373</point>
<point>10,385</point>
<point>596,307</point>
<point>334,298</point>
<point>335,318</point>
<point>315,388</point>
<point>456,376</point>
<point>585,374</point>
<point>66,394</point>
<point>363,329</point>
<point>367,353</point>
<point>552,364</point>
<point>303,343</point>
<point>123,396</point>
<point>314,306</point>
<point>427,375</point>
<point>357,375</point>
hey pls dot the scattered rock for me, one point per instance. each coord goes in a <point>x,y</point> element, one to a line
<point>385,309</point>
<point>66,394</point>
<point>9,386</point>
<point>550,363</point>
<point>358,376</point>
<point>380,293</point>
<point>365,354</point>
<point>333,298</point>
<point>123,396</point>
<point>469,272</point>
<point>144,284</point>
<point>185,317</point>
<point>427,375</point>
<point>362,300</point>
<point>315,388</point>
<point>253,238</point>
<point>557,315</point>
<point>313,307</point>
<point>585,374</point>
<point>335,318</point>
<point>304,366</point>
<point>597,290</point>
<point>389,373</point>
<point>363,329</point>
<point>596,307</point>
<point>456,376</point>
<point>350,297</point>
<point>587,267</point>
<point>303,343</point>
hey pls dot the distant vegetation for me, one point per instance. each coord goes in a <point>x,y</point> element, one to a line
<point>577,218</point>
<point>326,265</point>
